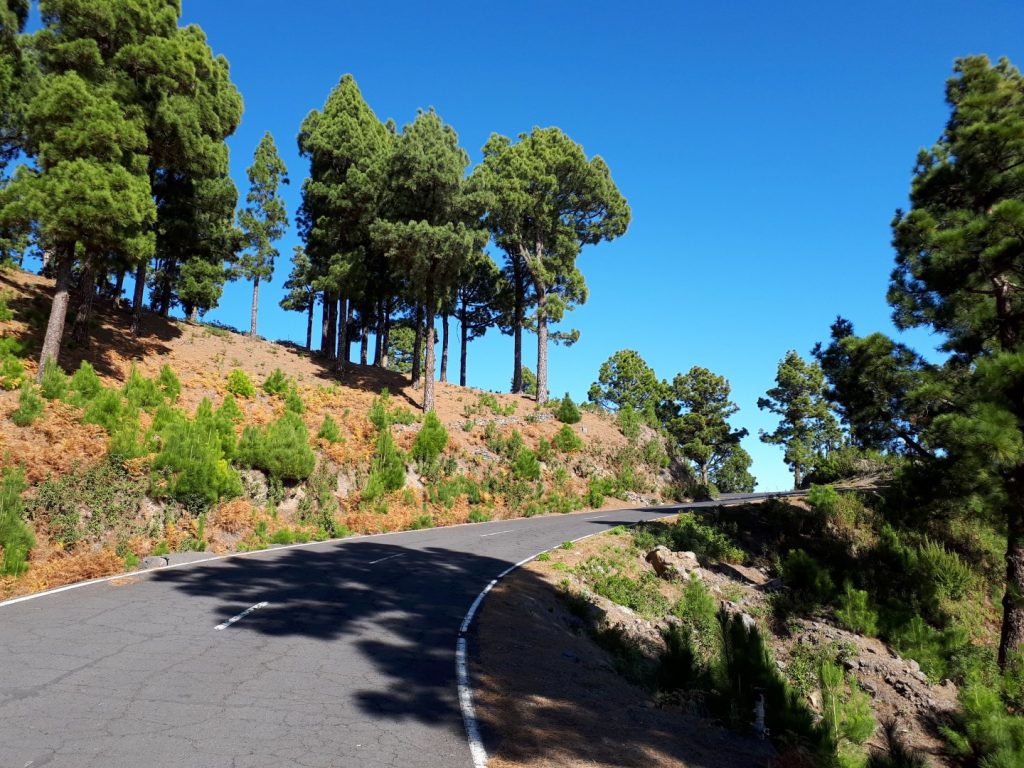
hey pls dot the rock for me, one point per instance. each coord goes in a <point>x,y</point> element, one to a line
<point>850,664</point>
<point>742,573</point>
<point>153,561</point>
<point>638,632</point>
<point>914,666</point>
<point>672,566</point>
<point>255,484</point>
<point>748,621</point>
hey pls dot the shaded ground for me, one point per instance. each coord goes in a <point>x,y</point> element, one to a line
<point>548,696</point>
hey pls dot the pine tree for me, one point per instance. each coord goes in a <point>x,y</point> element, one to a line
<point>264,220</point>
<point>301,296</point>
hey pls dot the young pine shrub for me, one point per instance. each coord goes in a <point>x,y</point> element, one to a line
<point>293,401</point>
<point>6,313</point>
<point>567,412</point>
<point>526,465</point>
<point>169,383</point>
<point>106,409</point>
<point>276,383</point>
<point>430,441</point>
<point>387,472</point>
<point>16,538</point>
<point>809,581</point>
<point>229,410</point>
<point>566,440</point>
<point>128,441</point>
<point>281,450</point>
<point>329,430</point>
<point>54,384</point>
<point>30,406</point>
<point>85,384</point>
<point>191,466</point>
<point>240,385</point>
<point>855,613</point>
<point>141,392</point>
<point>629,422</point>
<point>846,709</point>
<point>12,372</point>
<point>219,425</point>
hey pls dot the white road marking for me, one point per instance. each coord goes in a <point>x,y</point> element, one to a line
<point>496,533</point>
<point>596,518</point>
<point>242,615</point>
<point>389,557</point>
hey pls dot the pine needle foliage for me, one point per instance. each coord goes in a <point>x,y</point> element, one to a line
<point>240,385</point>
<point>16,538</point>
<point>329,430</point>
<point>281,449</point>
<point>54,382</point>
<point>85,384</point>
<point>388,470</point>
<point>430,441</point>
<point>276,383</point>
<point>566,440</point>
<point>30,405</point>
<point>567,412</point>
<point>191,466</point>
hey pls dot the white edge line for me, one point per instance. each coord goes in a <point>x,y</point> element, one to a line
<point>356,537</point>
<point>485,535</point>
<point>389,557</point>
<point>476,744</point>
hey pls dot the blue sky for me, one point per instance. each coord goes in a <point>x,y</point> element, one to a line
<point>763,148</point>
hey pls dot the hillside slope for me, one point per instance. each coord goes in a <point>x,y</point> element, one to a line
<point>93,512</point>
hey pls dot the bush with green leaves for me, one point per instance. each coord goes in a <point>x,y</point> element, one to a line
<point>240,385</point>
<point>854,611</point>
<point>12,372</point>
<point>106,409</point>
<point>629,422</point>
<point>16,538</point>
<point>846,709</point>
<point>293,401</point>
<point>566,411</point>
<point>430,441</point>
<point>329,430</point>
<point>218,423</point>
<point>229,410</point>
<point>276,383</point>
<point>141,392</point>
<point>606,577</point>
<point>191,465</point>
<point>129,441</point>
<point>694,646</point>
<point>526,465</point>
<point>809,582</point>
<point>54,383</point>
<point>985,732</point>
<point>30,405</point>
<point>169,383</point>
<point>88,504</point>
<point>85,384</point>
<point>934,649</point>
<point>6,313</point>
<point>281,449</point>
<point>653,454</point>
<point>387,471</point>
<point>566,440</point>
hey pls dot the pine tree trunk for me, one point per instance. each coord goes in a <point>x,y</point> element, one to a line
<point>324,333</point>
<point>119,285</point>
<point>344,350</point>
<point>1011,637</point>
<point>80,327</point>
<point>378,340</point>
<point>58,311</point>
<point>364,340</point>
<point>332,328</point>
<point>137,299</point>
<point>428,368</point>
<point>542,349</point>
<point>463,350</point>
<point>386,357</point>
<point>444,347</point>
<point>798,476</point>
<point>193,314</point>
<point>519,310</point>
<point>309,326</point>
<point>417,345</point>
<point>255,306</point>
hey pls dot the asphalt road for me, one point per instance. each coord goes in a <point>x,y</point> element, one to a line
<point>347,661</point>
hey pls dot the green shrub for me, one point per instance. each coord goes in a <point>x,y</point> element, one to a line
<point>329,430</point>
<point>694,647</point>
<point>846,709</point>
<point>654,455</point>
<point>430,441</point>
<point>809,581</point>
<point>85,384</point>
<point>689,534</point>
<point>597,489</point>
<point>606,579</point>
<point>276,383</point>
<point>6,313</point>
<point>293,402</point>
<point>12,372</point>
<point>566,411</point>
<point>169,383</point>
<point>387,472</point>
<point>128,441</point>
<point>240,385</point>
<point>526,465</point>
<point>476,516</point>
<point>88,504</point>
<point>566,440</point>
<point>16,538</point>
<point>218,423</point>
<point>283,536</point>
<point>629,422</point>
<point>141,392</point>
<point>281,450</point>
<point>191,466</point>
<point>985,731</point>
<point>106,409</point>
<point>30,405</point>
<point>896,753</point>
<point>54,384</point>
<point>320,504</point>
<point>422,522</point>
<point>855,613</point>
<point>932,648</point>
<point>229,410</point>
<point>380,413</point>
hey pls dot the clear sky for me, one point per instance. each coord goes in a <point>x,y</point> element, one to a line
<point>763,148</point>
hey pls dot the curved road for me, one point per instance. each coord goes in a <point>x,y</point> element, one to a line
<point>348,660</point>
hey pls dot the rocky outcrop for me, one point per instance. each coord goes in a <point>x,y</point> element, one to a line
<point>673,566</point>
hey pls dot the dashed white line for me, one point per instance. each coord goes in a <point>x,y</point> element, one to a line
<point>242,615</point>
<point>389,557</point>
<point>496,533</point>
<point>596,518</point>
